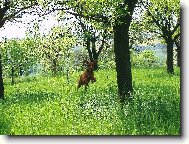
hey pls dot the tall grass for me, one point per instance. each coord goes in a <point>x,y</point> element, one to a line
<point>53,106</point>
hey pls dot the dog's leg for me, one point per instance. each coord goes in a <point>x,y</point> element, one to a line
<point>78,86</point>
<point>93,79</point>
<point>86,86</point>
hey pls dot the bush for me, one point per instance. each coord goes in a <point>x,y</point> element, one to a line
<point>107,64</point>
<point>145,58</point>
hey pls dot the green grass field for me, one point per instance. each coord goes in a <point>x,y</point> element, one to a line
<point>53,106</point>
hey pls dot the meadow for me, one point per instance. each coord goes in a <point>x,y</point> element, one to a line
<point>45,105</point>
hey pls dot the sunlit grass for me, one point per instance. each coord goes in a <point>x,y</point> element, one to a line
<point>53,106</point>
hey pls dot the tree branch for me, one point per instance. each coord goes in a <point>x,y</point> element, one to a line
<point>3,11</point>
<point>13,15</point>
<point>103,42</point>
<point>96,17</point>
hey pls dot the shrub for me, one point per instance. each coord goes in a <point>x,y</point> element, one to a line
<point>146,58</point>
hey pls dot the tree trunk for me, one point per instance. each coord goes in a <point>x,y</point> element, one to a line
<point>3,10</point>
<point>12,75</point>
<point>170,56</point>
<point>21,70</point>
<point>93,41</point>
<point>122,59</point>
<point>88,48</point>
<point>94,53</point>
<point>67,75</point>
<point>54,67</point>
<point>1,81</point>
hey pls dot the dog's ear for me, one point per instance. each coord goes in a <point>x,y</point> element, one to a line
<point>95,61</point>
<point>85,62</point>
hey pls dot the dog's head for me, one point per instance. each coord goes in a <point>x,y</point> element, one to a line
<point>89,65</point>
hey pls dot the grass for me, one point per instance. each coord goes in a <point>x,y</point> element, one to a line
<point>53,106</point>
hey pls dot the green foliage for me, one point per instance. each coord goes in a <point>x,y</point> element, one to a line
<point>107,59</point>
<point>145,58</point>
<point>17,54</point>
<point>163,18</point>
<point>54,50</point>
<point>52,106</point>
<point>16,9</point>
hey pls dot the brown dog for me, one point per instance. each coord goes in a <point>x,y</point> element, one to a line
<point>87,75</point>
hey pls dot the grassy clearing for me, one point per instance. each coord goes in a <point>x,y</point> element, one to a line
<point>52,106</point>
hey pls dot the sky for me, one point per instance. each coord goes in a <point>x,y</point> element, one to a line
<point>12,31</point>
<point>18,30</point>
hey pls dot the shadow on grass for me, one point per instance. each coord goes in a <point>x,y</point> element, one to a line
<point>4,121</point>
<point>151,117</point>
<point>4,125</point>
<point>31,97</point>
<point>18,80</point>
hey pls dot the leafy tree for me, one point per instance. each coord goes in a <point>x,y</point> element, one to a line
<point>164,19</point>
<point>12,57</point>
<point>55,49</point>
<point>121,47</point>
<point>139,31</point>
<point>117,14</point>
<point>10,11</point>
<point>18,56</point>
<point>95,37</point>
<point>29,57</point>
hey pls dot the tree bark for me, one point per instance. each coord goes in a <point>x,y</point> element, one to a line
<point>122,59</point>
<point>1,81</point>
<point>3,10</point>
<point>94,52</point>
<point>54,67</point>
<point>170,56</point>
<point>12,75</point>
<point>20,70</point>
<point>88,48</point>
<point>93,41</point>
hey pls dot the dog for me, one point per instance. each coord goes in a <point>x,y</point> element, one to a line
<point>87,75</point>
